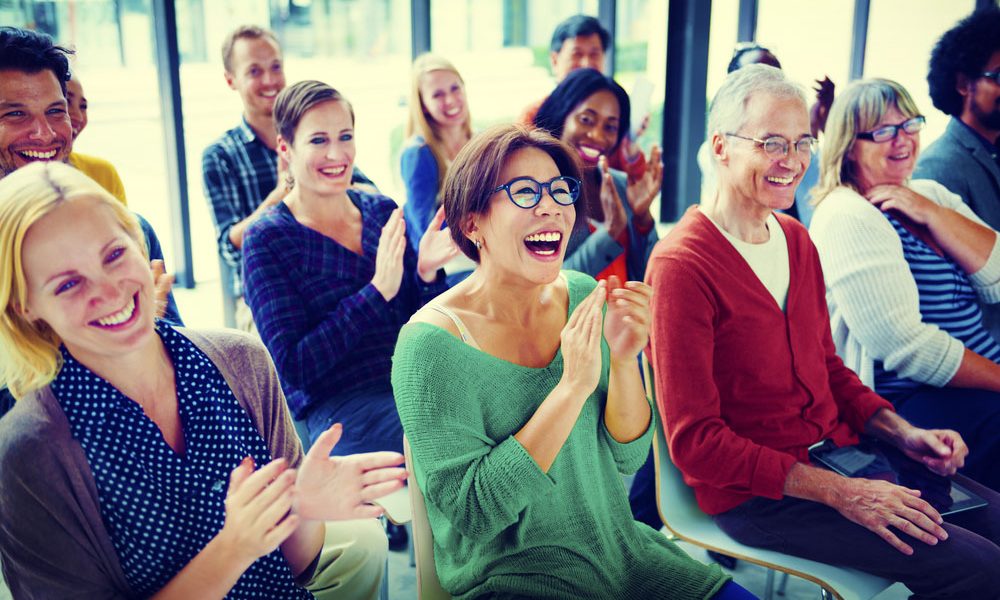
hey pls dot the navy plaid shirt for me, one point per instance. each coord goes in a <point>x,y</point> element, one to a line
<point>239,171</point>
<point>330,332</point>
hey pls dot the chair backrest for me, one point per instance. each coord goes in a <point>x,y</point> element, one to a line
<point>428,585</point>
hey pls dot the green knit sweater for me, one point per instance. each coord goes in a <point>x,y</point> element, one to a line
<point>504,528</point>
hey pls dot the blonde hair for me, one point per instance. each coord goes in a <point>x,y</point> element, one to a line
<point>29,350</point>
<point>419,122</point>
<point>857,109</point>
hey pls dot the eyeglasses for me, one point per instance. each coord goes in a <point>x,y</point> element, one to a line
<point>994,75</point>
<point>889,132</point>
<point>525,192</point>
<point>778,147</point>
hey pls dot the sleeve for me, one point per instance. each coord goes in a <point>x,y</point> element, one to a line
<point>305,349</point>
<point>591,252</point>
<point>420,175</point>
<point>635,169</point>
<point>987,279</point>
<point>630,456</point>
<point>224,198</point>
<point>171,315</point>
<point>479,485</point>
<point>640,244</point>
<point>116,187</point>
<point>48,547</point>
<point>682,348</point>
<point>870,283</point>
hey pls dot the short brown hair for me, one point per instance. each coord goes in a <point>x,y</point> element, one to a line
<point>297,99</point>
<point>244,32</point>
<point>475,173</point>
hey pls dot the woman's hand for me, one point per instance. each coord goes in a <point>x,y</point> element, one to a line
<point>615,219</point>
<point>436,248</point>
<point>912,205</point>
<point>878,505</point>
<point>581,343</point>
<point>389,256</point>
<point>162,283</point>
<point>940,450</point>
<point>626,324</point>
<point>331,488</point>
<point>257,511</point>
<point>642,191</point>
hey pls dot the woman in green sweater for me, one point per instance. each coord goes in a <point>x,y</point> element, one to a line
<point>523,406</point>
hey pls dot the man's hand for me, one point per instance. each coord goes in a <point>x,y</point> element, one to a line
<point>940,450</point>
<point>878,505</point>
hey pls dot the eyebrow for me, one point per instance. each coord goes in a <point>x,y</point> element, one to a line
<point>104,248</point>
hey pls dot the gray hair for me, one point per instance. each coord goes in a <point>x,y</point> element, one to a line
<point>727,112</point>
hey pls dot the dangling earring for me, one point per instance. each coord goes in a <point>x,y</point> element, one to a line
<point>479,245</point>
<point>289,181</point>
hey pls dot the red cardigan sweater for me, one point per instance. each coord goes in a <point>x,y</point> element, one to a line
<point>743,388</point>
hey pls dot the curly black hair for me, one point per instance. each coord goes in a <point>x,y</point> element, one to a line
<point>31,52</point>
<point>964,48</point>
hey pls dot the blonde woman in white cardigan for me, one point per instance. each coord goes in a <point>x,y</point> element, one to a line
<point>906,265</point>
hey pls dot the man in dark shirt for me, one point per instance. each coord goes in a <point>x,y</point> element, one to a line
<point>243,174</point>
<point>964,80</point>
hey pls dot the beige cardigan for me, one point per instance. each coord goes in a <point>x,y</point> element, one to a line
<point>53,543</point>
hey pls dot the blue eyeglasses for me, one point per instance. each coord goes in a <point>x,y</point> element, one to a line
<point>994,75</point>
<point>526,192</point>
<point>889,132</point>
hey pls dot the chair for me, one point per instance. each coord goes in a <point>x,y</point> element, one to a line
<point>681,515</point>
<point>428,585</point>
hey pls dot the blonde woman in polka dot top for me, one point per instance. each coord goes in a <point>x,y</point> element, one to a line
<point>143,460</point>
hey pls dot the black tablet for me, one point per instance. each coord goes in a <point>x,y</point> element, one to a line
<point>873,459</point>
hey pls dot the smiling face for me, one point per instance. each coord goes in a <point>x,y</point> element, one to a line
<point>77,104</point>
<point>526,243</point>
<point>88,280</point>
<point>257,74</point>
<point>321,156</point>
<point>592,127</point>
<point>580,52</point>
<point>751,173</point>
<point>34,124</point>
<point>886,162</point>
<point>443,96</point>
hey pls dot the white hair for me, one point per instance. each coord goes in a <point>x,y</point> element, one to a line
<point>727,112</point>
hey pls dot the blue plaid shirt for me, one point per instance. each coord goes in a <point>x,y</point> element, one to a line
<point>330,332</point>
<point>239,171</point>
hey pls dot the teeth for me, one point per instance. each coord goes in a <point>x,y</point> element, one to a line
<point>334,170</point>
<point>35,154</point>
<point>545,252</point>
<point>121,316</point>
<point>549,236</point>
<point>452,112</point>
<point>781,180</point>
<point>590,152</point>
<point>270,94</point>
<point>900,156</point>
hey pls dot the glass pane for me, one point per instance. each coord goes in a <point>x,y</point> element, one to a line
<point>904,58</point>
<point>721,41</point>
<point>811,39</point>
<point>641,61</point>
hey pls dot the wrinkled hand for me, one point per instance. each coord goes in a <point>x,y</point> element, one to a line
<point>257,510</point>
<point>912,205</point>
<point>878,505</point>
<point>615,219</point>
<point>580,343</point>
<point>940,450</point>
<point>389,256</point>
<point>162,284</point>
<point>436,248</point>
<point>332,488</point>
<point>626,324</point>
<point>642,191</point>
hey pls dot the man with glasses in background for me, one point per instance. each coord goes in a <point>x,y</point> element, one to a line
<point>964,81</point>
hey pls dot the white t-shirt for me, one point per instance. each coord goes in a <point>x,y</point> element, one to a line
<point>769,260</point>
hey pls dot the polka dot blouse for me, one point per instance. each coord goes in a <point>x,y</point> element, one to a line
<point>161,508</point>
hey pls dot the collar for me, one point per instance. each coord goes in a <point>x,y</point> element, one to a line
<point>246,131</point>
<point>989,146</point>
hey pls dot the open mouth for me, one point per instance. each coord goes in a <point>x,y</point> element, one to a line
<point>121,318</point>
<point>334,171</point>
<point>780,180</point>
<point>905,155</point>
<point>544,243</point>
<point>270,94</point>
<point>453,112</point>
<point>33,155</point>
<point>590,154</point>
